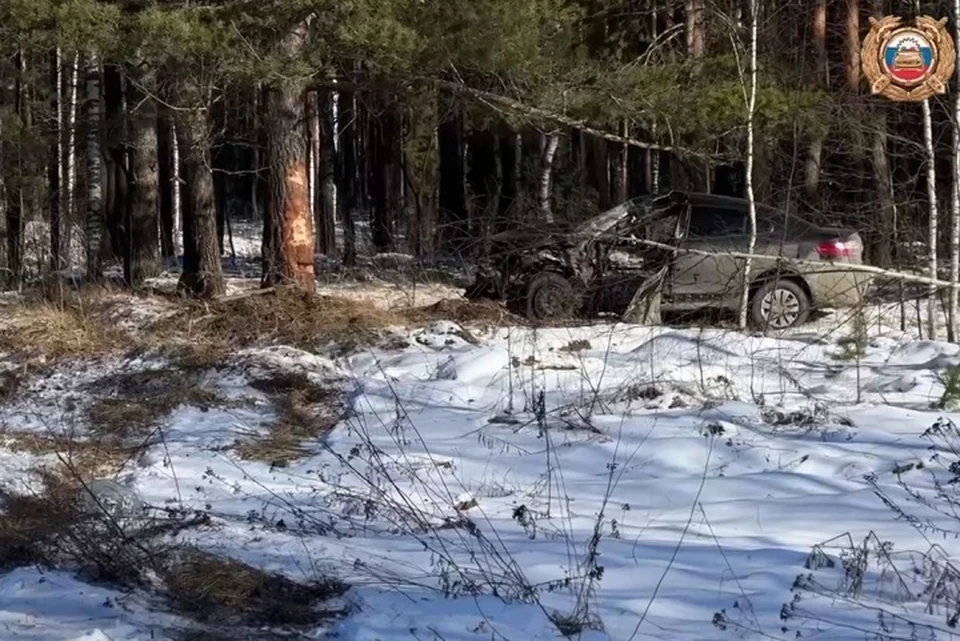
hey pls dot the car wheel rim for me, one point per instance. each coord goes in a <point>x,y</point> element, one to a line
<point>780,308</point>
<point>549,302</point>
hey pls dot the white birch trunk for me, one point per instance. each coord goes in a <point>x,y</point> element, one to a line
<point>752,206</point>
<point>953,310</point>
<point>95,205</point>
<point>70,185</point>
<point>177,213</point>
<point>546,175</point>
<point>932,266</point>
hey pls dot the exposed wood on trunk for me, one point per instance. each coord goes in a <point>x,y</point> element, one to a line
<point>202,274</point>
<point>142,255</point>
<point>288,225</point>
<point>95,214</point>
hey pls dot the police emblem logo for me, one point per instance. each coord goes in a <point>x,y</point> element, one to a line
<point>908,63</point>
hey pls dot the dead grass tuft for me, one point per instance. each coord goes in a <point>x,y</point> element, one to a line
<point>131,404</point>
<point>30,524</point>
<point>283,315</point>
<point>308,412</point>
<point>58,332</point>
<point>213,588</point>
<point>66,526</point>
<point>87,458</point>
<point>463,311</point>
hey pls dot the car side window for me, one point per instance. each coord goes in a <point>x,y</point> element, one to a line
<point>716,222</point>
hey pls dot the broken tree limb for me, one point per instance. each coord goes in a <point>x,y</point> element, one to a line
<point>505,103</point>
<point>865,269</point>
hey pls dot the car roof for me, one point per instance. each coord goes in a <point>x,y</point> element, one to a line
<point>696,198</point>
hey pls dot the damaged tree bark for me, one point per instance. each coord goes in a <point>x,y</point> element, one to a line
<point>288,238</point>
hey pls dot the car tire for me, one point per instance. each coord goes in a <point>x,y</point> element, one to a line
<point>550,297</point>
<point>785,299</point>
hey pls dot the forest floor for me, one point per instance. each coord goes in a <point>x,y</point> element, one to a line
<point>388,462</point>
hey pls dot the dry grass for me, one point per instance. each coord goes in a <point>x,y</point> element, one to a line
<point>61,527</point>
<point>281,316</point>
<point>307,413</point>
<point>213,588</point>
<point>52,332</point>
<point>131,404</point>
<point>89,458</point>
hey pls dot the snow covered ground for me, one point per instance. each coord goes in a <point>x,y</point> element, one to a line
<point>614,482</point>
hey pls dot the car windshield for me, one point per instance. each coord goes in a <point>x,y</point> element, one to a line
<point>603,222</point>
<point>610,218</point>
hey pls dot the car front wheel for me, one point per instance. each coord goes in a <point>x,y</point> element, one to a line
<point>779,304</point>
<point>550,296</point>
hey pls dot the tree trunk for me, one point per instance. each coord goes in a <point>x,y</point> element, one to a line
<point>953,312</point>
<point>545,177</point>
<point>934,236</point>
<point>814,163</point>
<point>202,274</point>
<point>483,180</point>
<point>751,112</point>
<point>509,170</point>
<point>381,134</point>
<point>95,205</point>
<point>70,171</point>
<point>116,162</point>
<point>347,188</point>
<point>852,72</point>
<point>165,175</point>
<point>695,11</point>
<point>219,160</point>
<point>288,226</point>
<point>55,163</point>
<point>142,258</point>
<point>327,193</point>
<point>619,184</point>
<point>454,230</point>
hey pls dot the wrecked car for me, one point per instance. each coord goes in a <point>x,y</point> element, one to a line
<point>697,241</point>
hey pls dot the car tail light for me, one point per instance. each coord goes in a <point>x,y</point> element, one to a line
<point>834,249</point>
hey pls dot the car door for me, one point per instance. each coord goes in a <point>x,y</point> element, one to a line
<point>629,261</point>
<point>713,278</point>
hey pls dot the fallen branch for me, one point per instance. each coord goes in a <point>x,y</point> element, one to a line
<point>866,269</point>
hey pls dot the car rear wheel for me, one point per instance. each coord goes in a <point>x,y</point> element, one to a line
<point>779,304</point>
<point>550,296</point>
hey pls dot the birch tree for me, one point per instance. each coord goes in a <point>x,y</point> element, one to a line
<point>55,162</point>
<point>70,153</point>
<point>549,151</point>
<point>954,305</point>
<point>934,218</point>
<point>95,214</point>
<point>751,102</point>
